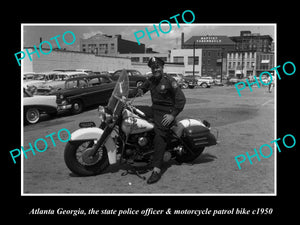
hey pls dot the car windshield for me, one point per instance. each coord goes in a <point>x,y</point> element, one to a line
<point>120,91</point>
<point>135,72</point>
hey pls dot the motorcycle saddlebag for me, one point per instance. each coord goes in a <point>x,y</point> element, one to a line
<point>198,136</point>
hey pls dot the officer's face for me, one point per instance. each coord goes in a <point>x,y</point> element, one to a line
<point>157,71</point>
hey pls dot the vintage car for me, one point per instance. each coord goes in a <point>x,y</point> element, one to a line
<point>197,80</point>
<point>39,78</point>
<point>58,82</point>
<point>81,92</point>
<point>135,77</point>
<point>35,105</point>
<point>205,82</point>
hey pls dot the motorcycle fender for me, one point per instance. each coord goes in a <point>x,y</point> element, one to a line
<point>94,133</point>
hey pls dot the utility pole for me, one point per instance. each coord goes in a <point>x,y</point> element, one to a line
<point>222,63</point>
<point>194,62</point>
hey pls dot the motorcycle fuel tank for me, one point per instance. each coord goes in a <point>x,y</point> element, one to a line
<point>132,124</point>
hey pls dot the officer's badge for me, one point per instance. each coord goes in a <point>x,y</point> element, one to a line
<point>162,87</point>
<point>174,84</point>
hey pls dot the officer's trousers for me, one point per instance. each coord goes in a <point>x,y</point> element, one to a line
<point>161,132</point>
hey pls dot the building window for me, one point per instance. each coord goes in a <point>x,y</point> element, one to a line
<point>190,60</point>
<point>145,59</point>
<point>178,59</point>
<point>135,59</point>
<point>112,46</point>
<point>164,59</point>
<point>103,46</point>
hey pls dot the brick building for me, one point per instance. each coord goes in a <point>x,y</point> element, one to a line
<point>214,52</point>
<point>102,44</point>
<point>254,42</point>
<point>253,54</point>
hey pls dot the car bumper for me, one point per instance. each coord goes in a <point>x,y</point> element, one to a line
<point>64,107</point>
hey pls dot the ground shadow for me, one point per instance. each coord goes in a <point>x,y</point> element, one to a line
<point>140,170</point>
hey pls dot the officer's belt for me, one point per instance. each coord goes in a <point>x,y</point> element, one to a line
<point>165,108</point>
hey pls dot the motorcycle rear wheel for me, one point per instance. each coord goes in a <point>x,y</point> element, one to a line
<point>75,161</point>
<point>187,156</point>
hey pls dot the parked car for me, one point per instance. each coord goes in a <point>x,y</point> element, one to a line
<point>58,82</point>
<point>39,78</point>
<point>217,82</point>
<point>232,81</point>
<point>135,77</point>
<point>81,92</point>
<point>35,105</point>
<point>191,80</point>
<point>88,71</point>
<point>28,76</point>
<point>197,80</point>
<point>205,82</point>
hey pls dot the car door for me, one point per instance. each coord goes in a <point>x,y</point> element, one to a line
<point>106,90</point>
<point>100,91</point>
<point>89,91</point>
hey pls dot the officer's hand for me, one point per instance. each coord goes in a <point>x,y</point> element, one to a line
<point>167,119</point>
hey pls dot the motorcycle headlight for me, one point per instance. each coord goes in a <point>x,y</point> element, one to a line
<point>101,113</point>
<point>103,116</point>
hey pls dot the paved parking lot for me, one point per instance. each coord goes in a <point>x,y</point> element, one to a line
<point>242,123</point>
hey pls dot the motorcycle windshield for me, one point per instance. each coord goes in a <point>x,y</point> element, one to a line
<point>120,91</point>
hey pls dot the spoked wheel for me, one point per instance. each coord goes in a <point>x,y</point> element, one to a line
<point>79,161</point>
<point>32,116</point>
<point>187,156</point>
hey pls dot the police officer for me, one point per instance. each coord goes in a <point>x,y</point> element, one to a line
<point>168,101</point>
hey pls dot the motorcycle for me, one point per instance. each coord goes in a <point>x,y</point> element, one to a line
<point>125,135</point>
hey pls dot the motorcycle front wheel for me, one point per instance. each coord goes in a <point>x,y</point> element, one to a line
<point>187,156</point>
<point>79,162</point>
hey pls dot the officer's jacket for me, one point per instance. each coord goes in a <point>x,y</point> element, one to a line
<point>166,95</point>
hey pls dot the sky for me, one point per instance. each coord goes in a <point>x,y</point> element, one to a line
<point>163,43</point>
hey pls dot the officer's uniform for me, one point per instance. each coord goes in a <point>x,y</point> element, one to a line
<point>167,98</point>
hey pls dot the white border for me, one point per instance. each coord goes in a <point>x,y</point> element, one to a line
<point>154,194</point>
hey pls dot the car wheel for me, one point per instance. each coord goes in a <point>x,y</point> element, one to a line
<point>77,107</point>
<point>204,85</point>
<point>32,115</point>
